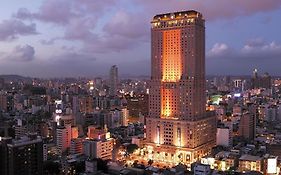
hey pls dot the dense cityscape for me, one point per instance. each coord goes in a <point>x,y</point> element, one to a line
<point>176,121</point>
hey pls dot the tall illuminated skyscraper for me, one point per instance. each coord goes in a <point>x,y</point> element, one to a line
<point>179,129</point>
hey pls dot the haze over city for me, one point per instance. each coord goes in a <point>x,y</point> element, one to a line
<point>51,38</point>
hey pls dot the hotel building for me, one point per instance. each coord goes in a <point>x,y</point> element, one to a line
<point>178,128</point>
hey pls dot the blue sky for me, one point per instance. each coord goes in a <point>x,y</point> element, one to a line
<point>58,38</point>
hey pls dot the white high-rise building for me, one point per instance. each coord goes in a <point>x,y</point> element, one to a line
<point>63,138</point>
<point>224,137</point>
<point>95,148</point>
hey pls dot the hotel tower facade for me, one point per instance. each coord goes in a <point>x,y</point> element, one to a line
<point>178,128</point>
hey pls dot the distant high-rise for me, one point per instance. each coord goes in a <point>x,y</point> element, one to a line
<point>2,83</point>
<point>247,126</point>
<point>63,137</point>
<point>86,104</point>
<point>178,127</point>
<point>113,80</point>
<point>263,81</point>
<point>3,102</point>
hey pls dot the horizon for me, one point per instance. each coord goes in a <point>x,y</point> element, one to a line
<point>124,76</point>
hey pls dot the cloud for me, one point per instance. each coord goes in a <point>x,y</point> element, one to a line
<point>256,53</point>
<point>109,44</point>
<point>68,63</point>
<point>81,30</point>
<point>218,49</point>
<point>111,28</point>
<point>212,9</point>
<point>254,48</point>
<point>259,45</point>
<point>53,11</point>
<point>49,42</point>
<point>61,11</point>
<point>13,28</point>
<point>72,57</point>
<point>262,50</point>
<point>122,28</point>
<point>20,53</point>
<point>64,11</point>
<point>63,64</point>
<point>127,25</point>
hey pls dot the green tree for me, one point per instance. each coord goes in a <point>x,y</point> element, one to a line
<point>51,168</point>
<point>131,148</point>
<point>150,162</point>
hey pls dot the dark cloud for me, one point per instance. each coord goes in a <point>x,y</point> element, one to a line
<point>256,42</point>
<point>256,53</point>
<point>11,29</point>
<point>262,50</point>
<point>58,12</point>
<point>80,18</point>
<point>253,49</point>
<point>218,9</point>
<point>107,28</point>
<point>62,12</point>
<point>24,53</point>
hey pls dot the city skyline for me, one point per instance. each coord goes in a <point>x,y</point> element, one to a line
<point>71,38</point>
<point>177,121</point>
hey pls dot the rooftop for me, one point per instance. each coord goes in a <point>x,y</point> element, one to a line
<point>25,140</point>
<point>181,14</point>
<point>248,157</point>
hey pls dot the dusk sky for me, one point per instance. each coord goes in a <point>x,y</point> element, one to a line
<point>58,38</point>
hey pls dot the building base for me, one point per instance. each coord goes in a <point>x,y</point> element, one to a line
<point>167,156</point>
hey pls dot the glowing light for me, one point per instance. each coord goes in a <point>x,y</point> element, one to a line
<point>223,166</point>
<point>107,135</point>
<point>272,165</point>
<point>237,95</point>
<point>179,137</point>
<point>172,62</point>
<point>166,110</point>
<point>57,119</point>
<point>158,135</point>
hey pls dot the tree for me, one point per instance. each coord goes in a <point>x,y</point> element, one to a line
<point>150,162</point>
<point>80,167</point>
<point>131,148</point>
<point>51,168</point>
<point>102,164</point>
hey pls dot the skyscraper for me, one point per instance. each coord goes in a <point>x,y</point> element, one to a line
<point>113,80</point>
<point>263,81</point>
<point>179,129</point>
